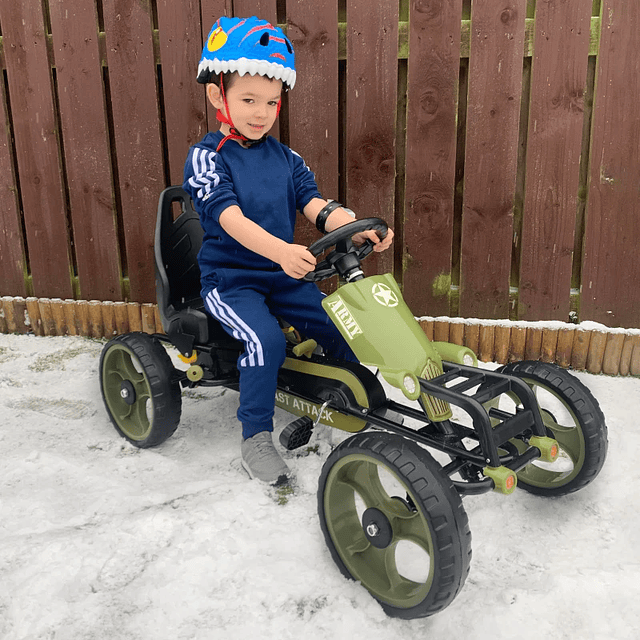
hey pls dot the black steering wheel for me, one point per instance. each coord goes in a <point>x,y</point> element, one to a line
<point>345,259</point>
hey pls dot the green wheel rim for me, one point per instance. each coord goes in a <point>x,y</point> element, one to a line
<point>568,433</point>
<point>133,418</point>
<point>377,569</point>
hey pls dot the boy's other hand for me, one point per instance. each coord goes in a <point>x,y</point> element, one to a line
<point>379,244</point>
<point>296,261</point>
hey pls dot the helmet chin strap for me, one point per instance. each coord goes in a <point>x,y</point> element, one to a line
<point>234,134</point>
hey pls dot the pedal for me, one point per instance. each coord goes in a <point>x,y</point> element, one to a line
<point>305,348</point>
<point>297,434</point>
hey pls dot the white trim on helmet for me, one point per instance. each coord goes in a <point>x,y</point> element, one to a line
<point>252,67</point>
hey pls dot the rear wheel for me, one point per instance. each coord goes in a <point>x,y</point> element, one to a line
<point>393,521</point>
<point>573,417</point>
<point>140,393</point>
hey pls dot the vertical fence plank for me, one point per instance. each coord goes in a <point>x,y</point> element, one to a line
<point>86,146</point>
<point>210,11</point>
<point>610,283</point>
<point>12,258</point>
<point>553,158</point>
<point>184,99</point>
<point>313,104</point>
<point>434,64</point>
<point>263,9</point>
<point>372,79</point>
<point>37,150</point>
<point>137,133</point>
<point>495,85</point>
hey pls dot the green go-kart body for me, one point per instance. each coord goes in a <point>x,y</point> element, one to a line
<point>528,424</point>
<point>382,332</point>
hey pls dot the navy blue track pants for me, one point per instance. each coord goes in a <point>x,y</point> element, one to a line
<point>246,303</point>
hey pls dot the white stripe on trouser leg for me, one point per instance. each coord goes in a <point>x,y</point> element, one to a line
<point>241,330</point>
<point>220,311</point>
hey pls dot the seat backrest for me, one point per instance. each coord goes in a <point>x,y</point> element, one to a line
<point>177,243</point>
<point>176,247</point>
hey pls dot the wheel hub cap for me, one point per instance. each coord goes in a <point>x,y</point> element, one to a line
<point>377,528</point>
<point>127,392</point>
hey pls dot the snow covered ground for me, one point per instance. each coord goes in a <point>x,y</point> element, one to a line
<point>99,539</point>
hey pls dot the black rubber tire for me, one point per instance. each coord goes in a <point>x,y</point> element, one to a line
<point>140,364</point>
<point>589,431</point>
<point>432,511</point>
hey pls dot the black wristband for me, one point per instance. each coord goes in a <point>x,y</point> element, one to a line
<point>324,213</point>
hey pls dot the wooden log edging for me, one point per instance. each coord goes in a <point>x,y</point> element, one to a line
<point>587,346</point>
<point>88,318</point>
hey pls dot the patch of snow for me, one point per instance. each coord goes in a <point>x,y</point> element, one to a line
<point>99,539</point>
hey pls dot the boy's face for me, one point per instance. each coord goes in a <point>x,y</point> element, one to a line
<point>253,103</point>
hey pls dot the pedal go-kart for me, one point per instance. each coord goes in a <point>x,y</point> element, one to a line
<point>381,494</point>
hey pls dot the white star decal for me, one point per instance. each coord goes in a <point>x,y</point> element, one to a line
<point>384,295</point>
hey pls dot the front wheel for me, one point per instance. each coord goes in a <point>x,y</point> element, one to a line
<point>393,521</point>
<point>573,417</point>
<point>140,392</point>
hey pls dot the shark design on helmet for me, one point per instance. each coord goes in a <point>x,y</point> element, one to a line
<point>247,45</point>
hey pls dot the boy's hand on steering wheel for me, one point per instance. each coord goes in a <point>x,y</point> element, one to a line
<point>296,261</point>
<point>379,244</point>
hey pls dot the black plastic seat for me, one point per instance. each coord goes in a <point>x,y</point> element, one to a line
<point>177,242</point>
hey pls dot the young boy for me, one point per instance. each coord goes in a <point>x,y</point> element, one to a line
<point>246,187</point>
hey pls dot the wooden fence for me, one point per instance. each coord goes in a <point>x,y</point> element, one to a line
<point>500,138</point>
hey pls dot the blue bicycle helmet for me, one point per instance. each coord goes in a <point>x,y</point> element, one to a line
<point>247,45</point>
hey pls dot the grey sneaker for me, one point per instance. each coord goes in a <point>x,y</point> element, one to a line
<point>261,460</point>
